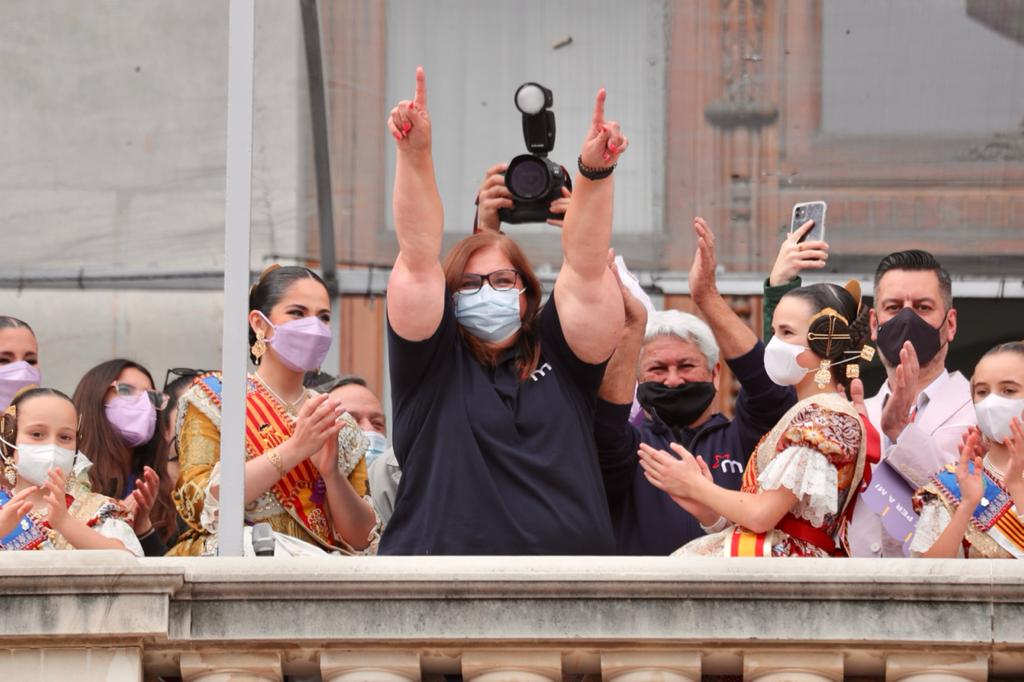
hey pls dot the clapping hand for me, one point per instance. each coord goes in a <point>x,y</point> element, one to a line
<point>903,387</point>
<point>705,262</point>
<point>141,500</point>
<point>969,474</point>
<point>15,508</point>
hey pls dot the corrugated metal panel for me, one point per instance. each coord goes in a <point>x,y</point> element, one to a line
<point>477,53</point>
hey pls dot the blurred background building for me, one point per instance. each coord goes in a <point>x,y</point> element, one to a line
<point>906,116</point>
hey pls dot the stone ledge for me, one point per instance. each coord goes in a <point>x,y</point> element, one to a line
<point>580,607</point>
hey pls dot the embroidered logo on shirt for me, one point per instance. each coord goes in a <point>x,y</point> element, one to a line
<point>541,371</point>
<point>727,464</point>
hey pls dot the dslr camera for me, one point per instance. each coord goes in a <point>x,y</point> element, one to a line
<point>533,179</point>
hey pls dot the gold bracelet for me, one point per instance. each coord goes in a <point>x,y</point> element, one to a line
<point>275,458</point>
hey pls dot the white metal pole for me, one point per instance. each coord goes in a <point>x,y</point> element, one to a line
<point>237,217</point>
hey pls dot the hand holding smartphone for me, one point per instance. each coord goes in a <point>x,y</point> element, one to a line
<point>810,210</point>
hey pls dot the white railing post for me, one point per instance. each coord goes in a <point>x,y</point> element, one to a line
<point>237,217</point>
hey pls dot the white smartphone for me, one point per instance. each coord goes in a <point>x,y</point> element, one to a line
<point>810,210</point>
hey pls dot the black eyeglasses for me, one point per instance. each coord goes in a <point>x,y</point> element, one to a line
<point>500,280</point>
<point>176,373</point>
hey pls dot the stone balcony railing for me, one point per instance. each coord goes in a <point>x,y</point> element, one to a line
<point>86,616</point>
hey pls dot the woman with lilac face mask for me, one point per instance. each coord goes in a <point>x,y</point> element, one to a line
<point>119,404</point>
<point>19,359</point>
<point>305,472</point>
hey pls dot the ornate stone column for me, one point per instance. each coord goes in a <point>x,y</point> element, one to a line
<point>512,665</point>
<point>793,666</point>
<point>643,666</point>
<point>231,667</point>
<point>370,666</point>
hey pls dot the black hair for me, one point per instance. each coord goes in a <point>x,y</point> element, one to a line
<point>9,419</point>
<point>344,380</point>
<point>835,337</point>
<point>270,288</point>
<point>916,260</point>
<point>8,322</point>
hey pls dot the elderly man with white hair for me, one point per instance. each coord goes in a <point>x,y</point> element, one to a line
<point>675,358</point>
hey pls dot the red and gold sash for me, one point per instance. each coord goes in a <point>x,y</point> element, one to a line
<point>301,491</point>
<point>746,543</point>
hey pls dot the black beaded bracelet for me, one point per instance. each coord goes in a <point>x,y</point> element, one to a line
<point>591,173</point>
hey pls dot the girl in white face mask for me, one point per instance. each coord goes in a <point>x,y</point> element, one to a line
<point>980,501</point>
<point>39,449</point>
<point>803,477</point>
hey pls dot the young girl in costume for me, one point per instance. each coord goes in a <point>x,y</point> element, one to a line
<point>974,509</point>
<point>39,452</point>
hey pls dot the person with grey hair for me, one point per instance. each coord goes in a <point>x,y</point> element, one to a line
<point>675,357</point>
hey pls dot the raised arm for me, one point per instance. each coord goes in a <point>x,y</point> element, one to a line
<point>586,293</point>
<point>794,257</point>
<point>416,288</point>
<point>734,338</point>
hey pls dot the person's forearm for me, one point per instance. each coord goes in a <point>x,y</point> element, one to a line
<point>758,512</point>
<point>587,232</point>
<point>734,337</point>
<point>619,381</point>
<point>352,516</point>
<point>261,474</point>
<point>418,213</point>
<point>82,537</point>
<point>949,542</point>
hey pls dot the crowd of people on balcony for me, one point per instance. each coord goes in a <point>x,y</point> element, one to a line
<point>584,424</point>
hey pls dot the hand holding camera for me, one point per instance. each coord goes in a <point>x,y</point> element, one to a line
<point>409,122</point>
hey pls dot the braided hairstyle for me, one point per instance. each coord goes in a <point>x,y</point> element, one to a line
<point>839,325</point>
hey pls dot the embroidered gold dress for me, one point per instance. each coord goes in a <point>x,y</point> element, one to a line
<point>817,452</point>
<point>296,506</point>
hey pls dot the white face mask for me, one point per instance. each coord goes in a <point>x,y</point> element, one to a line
<point>994,415</point>
<point>35,461</point>
<point>378,444</point>
<point>780,362</point>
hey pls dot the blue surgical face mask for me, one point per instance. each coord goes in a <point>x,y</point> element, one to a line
<point>378,444</point>
<point>488,314</point>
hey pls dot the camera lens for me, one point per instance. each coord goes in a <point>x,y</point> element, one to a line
<point>527,178</point>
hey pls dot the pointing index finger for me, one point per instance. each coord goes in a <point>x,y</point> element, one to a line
<point>599,107</point>
<point>420,100</point>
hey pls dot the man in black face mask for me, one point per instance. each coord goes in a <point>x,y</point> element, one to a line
<point>679,374</point>
<point>922,410</point>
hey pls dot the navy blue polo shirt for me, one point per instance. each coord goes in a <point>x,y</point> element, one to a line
<point>492,464</point>
<point>648,521</point>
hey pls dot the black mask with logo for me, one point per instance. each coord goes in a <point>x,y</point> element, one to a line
<point>678,407</point>
<point>909,326</point>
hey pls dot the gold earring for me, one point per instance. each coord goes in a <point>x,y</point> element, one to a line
<point>259,349</point>
<point>823,377</point>
<point>10,473</point>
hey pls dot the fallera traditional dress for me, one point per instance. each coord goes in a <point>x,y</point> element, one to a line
<point>818,452</point>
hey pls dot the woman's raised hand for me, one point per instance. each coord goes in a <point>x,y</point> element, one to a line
<point>409,122</point>
<point>604,142</point>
